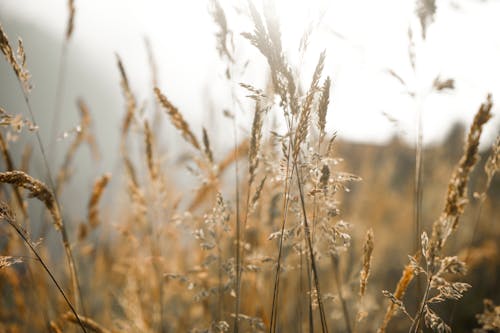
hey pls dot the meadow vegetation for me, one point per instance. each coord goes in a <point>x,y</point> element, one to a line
<point>290,230</point>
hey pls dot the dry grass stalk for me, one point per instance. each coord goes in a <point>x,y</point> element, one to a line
<point>71,19</point>
<point>131,104</point>
<point>323,106</point>
<point>7,215</point>
<point>93,205</point>
<point>224,34</point>
<point>16,123</point>
<point>37,190</point>
<point>456,200</point>
<point>40,191</point>
<point>87,322</point>
<point>177,119</point>
<point>19,69</point>
<point>303,124</point>
<point>255,138</point>
<point>148,138</point>
<point>490,318</point>
<point>138,198</point>
<point>10,167</point>
<point>456,197</point>
<point>367,257</point>
<point>6,261</point>
<point>266,38</point>
<point>401,287</point>
<point>83,134</point>
<point>492,165</point>
<point>206,146</point>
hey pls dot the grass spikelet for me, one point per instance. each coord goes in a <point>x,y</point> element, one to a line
<point>131,104</point>
<point>367,258</point>
<point>457,188</point>
<point>93,205</point>
<point>257,193</point>
<point>177,119</point>
<point>224,34</point>
<point>87,322</point>
<point>206,146</point>
<point>19,69</point>
<point>148,138</point>
<point>303,125</point>
<point>267,41</point>
<point>37,190</point>
<point>82,134</point>
<point>323,106</point>
<point>71,19</point>
<point>456,200</point>
<point>492,164</point>
<point>255,138</point>
<point>401,287</point>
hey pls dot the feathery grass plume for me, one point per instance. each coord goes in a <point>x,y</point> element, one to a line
<point>323,106</point>
<point>456,197</point>
<point>492,164</point>
<point>255,138</point>
<point>489,319</point>
<point>7,216</point>
<point>148,139</point>
<point>17,123</point>
<point>425,9</point>
<point>6,261</point>
<point>140,206</point>
<point>87,322</point>
<point>256,94</point>
<point>152,62</point>
<point>367,257</point>
<point>403,283</point>
<point>83,134</point>
<point>456,200</point>
<point>19,69</point>
<point>10,167</point>
<point>37,190</point>
<point>267,41</point>
<point>305,114</point>
<point>224,34</point>
<point>71,19</point>
<point>206,146</point>
<point>177,119</point>
<point>131,104</point>
<point>40,191</point>
<point>93,205</point>
<point>257,193</point>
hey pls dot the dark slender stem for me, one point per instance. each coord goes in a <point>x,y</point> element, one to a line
<point>28,243</point>
<point>238,231</point>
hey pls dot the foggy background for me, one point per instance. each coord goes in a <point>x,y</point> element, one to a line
<point>363,40</point>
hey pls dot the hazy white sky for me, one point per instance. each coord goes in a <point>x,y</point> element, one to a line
<point>363,38</point>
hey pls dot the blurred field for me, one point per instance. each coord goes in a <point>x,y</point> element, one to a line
<point>286,228</point>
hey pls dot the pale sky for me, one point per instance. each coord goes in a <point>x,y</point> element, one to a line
<point>362,38</point>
